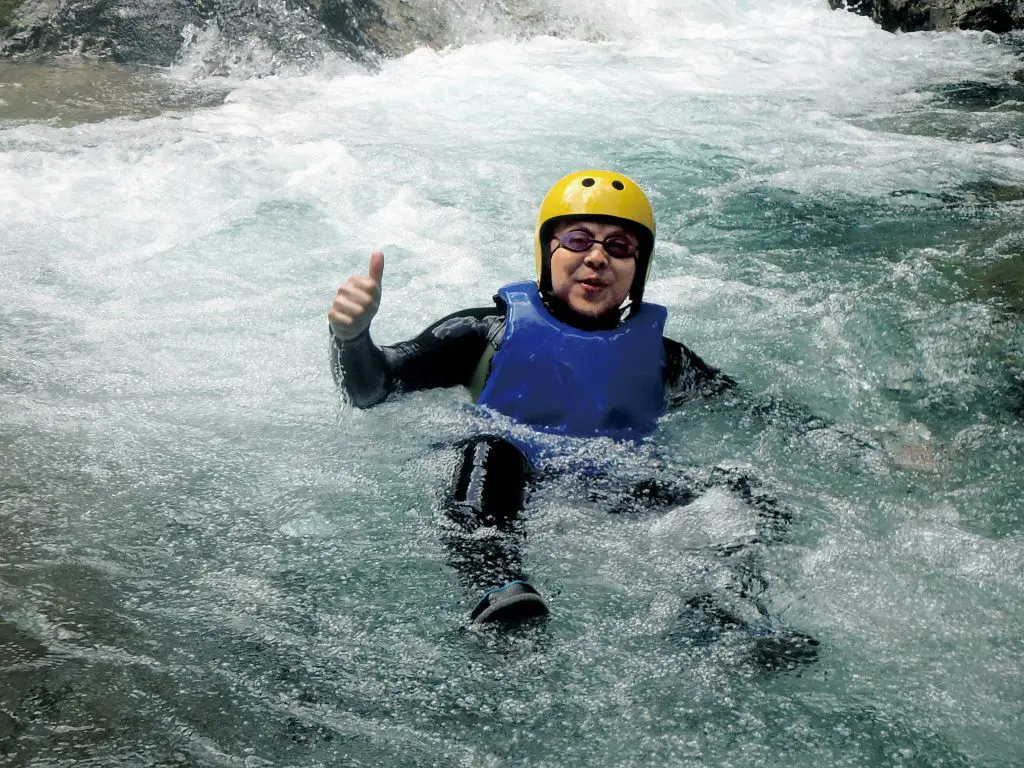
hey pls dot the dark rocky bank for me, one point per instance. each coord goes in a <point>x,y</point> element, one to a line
<point>153,32</point>
<point>922,15</point>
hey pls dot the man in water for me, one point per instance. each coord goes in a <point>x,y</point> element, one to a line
<point>578,353</point>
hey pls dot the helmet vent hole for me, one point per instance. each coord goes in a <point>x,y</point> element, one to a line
<point>618,185</point>
<point>587,182</point>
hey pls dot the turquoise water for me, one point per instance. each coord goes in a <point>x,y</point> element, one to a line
<point>208,559</point>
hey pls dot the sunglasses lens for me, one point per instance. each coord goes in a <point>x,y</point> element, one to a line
<point>577,241</point>
<point>618,247</point>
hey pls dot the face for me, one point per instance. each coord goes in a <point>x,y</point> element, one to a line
<point>592,283</point>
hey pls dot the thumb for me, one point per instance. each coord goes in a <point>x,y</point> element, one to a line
<point>377,266</point>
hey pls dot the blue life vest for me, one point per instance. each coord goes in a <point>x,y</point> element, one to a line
<point>561,380</point>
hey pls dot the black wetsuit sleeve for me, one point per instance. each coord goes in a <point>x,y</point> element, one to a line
<point>687,376</point>
<point>445,355</point>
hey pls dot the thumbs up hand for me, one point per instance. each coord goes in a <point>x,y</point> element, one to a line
<point>356,302</point>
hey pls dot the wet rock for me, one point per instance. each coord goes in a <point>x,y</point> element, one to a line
<point>153,32</point>
<point>122,31</point>
<point>72,91</point>
<point>275,32</point>
<point>916,15</point>
<point>7,9</point>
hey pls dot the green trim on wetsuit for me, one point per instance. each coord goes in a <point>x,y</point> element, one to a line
<point>482,370</point>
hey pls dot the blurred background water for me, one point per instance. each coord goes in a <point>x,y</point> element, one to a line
<point>206,558</point>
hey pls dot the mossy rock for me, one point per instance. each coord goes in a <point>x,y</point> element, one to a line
<point>7,9</point>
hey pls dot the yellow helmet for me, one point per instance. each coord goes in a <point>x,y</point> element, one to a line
<point>594,194</point>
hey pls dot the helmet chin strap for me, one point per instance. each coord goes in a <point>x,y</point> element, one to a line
<point>636,290</point>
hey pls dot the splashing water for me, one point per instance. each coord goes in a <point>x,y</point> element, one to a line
<point>207,559</point>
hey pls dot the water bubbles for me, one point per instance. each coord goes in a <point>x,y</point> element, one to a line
<point>248,570</point>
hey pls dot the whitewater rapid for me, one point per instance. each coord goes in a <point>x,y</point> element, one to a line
<point>209,559</point>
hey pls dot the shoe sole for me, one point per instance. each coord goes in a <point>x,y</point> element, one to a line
<point>526,605</point>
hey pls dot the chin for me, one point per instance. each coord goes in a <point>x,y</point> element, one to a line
<point>591,310</point>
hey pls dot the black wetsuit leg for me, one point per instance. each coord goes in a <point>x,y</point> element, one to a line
<point>773,516</point>
<point>651,494</point>
<point>703,618</point>
<point>743,557</point>
<point>739,602</point>
<point>484,534</point>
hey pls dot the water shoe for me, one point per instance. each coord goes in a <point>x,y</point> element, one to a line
<point>515,601</point>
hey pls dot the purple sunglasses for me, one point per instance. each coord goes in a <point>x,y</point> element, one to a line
<point>581,241</point>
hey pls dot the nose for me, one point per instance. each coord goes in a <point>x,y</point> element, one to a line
<point>596,257</point>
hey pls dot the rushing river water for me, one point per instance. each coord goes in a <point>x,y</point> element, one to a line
<point>206,558</point>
